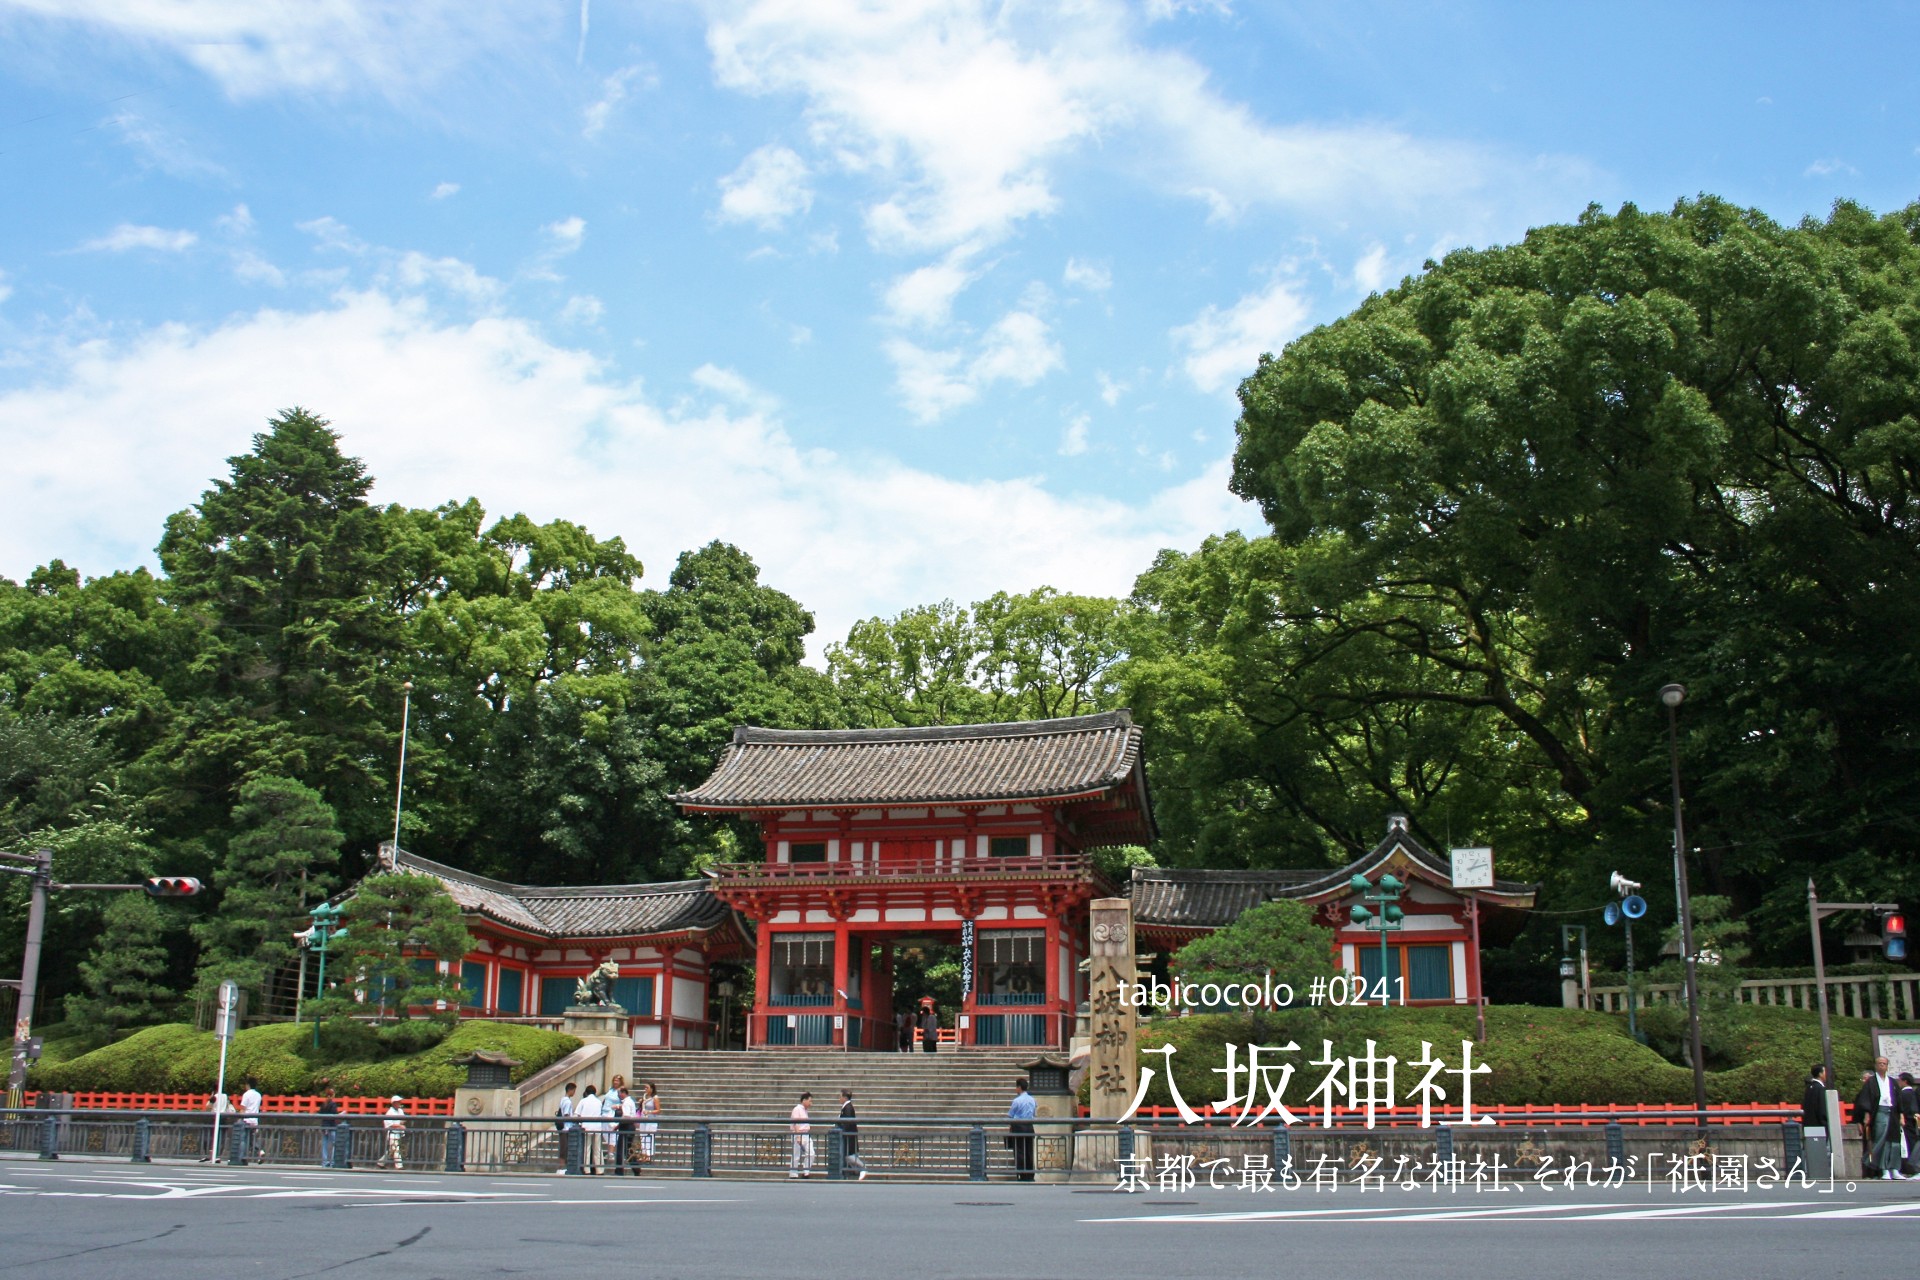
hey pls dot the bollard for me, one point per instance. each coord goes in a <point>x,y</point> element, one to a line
<point>1443,1144</point>
<point>456,1147</point>
<point>1794,1139</point>
<point>836,1154</point>
<point>237,1143</point>
<point>143,1141</point>
<point>50,1138</point>
<point>976,1154</point>
<point>1282,1150</point>
<point>1126,1142</point>
<point>703,1150</point>
<point>1616,1146</point>
<point>343,1144</point>
<point>575,1139</point>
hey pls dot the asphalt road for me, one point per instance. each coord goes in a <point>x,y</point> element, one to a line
<point>158,1222</point>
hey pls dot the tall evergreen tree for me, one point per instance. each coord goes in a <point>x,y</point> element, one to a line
<point>280,858</point>
<point>125,978</point>
<point>284,563</point>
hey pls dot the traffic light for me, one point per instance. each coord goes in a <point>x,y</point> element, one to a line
<point>1893,935</point>
<point>171,886</point>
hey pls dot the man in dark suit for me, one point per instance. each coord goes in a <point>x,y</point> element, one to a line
<point>1876,1111</point>
<point>1813,1107</point>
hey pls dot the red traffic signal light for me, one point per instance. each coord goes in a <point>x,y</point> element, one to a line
<point>1893,935</point>
<point>172,886</point>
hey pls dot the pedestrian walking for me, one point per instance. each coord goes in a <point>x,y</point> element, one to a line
<point>802,1133</point>
<point>393,1126</point>
<point>250,1118</point>
<point>903,1028</point>
<point>850,1137</point>
<point>1813,1105</point>
<point>1908,1107</point>
<point>929,1026</point>
<point>219,1104</point>
<point>1020,1132</point>
<point>329,1112</point>
<point>564,1124</point>
<point>625,1108</point>
<point>1876,1111</point>
<point>591,1129</point>
<point>649,1120</point>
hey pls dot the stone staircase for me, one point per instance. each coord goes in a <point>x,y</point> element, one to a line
<point>765,1083</point>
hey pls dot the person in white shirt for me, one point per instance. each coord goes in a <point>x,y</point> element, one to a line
<point>219,1105</point>
<point>395,1124</point>
<point>802,1138</point>
<point>250,1117</point>
<point>591,1149</point>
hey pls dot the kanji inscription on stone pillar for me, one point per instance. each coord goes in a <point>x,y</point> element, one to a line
<point>1113,1062</point>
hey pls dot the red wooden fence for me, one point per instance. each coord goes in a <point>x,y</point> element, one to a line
<point>283,1104</point>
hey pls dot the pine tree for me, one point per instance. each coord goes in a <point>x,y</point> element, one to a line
<point>124,978</point>
<point>397,926</point>
<point>280,858</point>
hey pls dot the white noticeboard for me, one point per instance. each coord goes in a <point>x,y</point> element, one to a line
<point>1473,868</point>
<point>1901,1049</point>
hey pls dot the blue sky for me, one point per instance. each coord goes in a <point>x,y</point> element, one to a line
<point>911,301</point>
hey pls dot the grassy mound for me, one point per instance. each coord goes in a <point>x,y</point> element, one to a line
<point>1538,1056</point>
<point>178,1059</point>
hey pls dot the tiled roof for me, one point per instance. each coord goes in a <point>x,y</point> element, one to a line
<point>1038,759</point>
<point>593,911</point>
<point>1188,898</point>
<point>1181,897</point>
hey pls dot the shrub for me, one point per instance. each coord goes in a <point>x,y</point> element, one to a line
<point>415,1035</point>
<point>178,1059</point>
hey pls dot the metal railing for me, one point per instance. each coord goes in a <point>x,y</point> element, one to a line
<point>907,1148</point>
<point>1891,996</point>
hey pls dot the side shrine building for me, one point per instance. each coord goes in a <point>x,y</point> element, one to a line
<point>979,836</point>
<point>879,844</point>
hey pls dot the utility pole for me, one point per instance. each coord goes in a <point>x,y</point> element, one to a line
<point>1672,696</point>
<point>400,780</point>
<point>39,869</point>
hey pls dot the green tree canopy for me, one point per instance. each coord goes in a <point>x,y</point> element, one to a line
<point>280,858</point>
<point>399,930</point>
<point>1280,938</point>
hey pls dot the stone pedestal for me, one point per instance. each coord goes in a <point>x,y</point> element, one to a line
<point>603,1024</point>
<point>1053,1155</point>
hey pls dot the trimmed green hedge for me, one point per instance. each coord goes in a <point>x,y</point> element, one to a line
<point>178,1059</point>
<point>1538,1056</point>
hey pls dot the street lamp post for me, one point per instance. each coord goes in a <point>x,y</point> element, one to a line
<point>1672,696</point>
<point>326,922</point>
<point>400,781</point>
<point>1385,915</point>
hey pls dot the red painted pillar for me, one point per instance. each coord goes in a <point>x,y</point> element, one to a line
<point>841,941</point>
<point>762,980</point>
<point>1050,977</point>
<point>666,996</point>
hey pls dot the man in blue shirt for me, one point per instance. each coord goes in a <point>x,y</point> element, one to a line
<point>1020,1132</point>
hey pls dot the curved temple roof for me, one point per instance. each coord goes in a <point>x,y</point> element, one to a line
<point>1032,760</point>
<point>590,911</point>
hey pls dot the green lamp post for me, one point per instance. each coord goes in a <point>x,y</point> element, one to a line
<point>1385,915</point>
<point>326,927</point>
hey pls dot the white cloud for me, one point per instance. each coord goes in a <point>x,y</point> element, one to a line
<point>1095,277</point>
<point>1223,346</point>
<point>565,235</point>
<point>766,189</point>
<point>730,386</point>
<point>159,147</point>
<point>1372,272</point>
<point>238,223</point>
<point>1019,348</point>
<point>250,267</point>
<point>925,295</point>
<point>6,290</point>
<point>416,270</point>
<point>128,236</point>
<point>1073,442</point>
<point>112,435</point>
<point>582,308</point>
<point>331,233</point>
<point>957,112</point>
<point>254,48</point>
<point>614,90</point>
<point>445,189</point>
<point>1110,391</point>
<point>1827,166</point>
